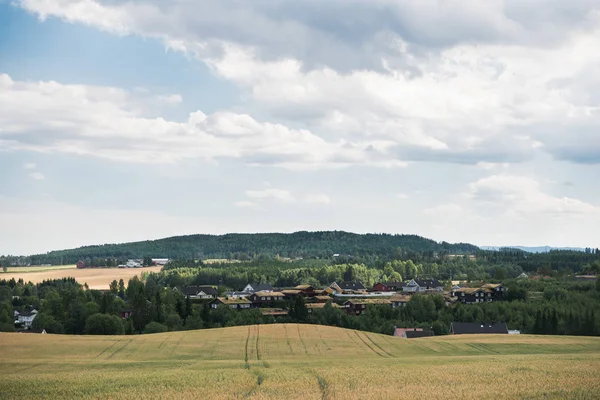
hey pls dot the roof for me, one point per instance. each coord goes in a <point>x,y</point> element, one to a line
<point>400,331</point>
<point>321,297</point>
<point>369,301</point>
<point>261,286</point>
<point>418,334</point>
<point>320,305</point>
<point>428,282</point>
<point>304,287</point>
<point>272,294</point>
<point>400,298</point>
<point>491,285</point>
<point>194,290</point>
<point>291,291</point>
<point>459,328</point>
<point>273,311</point>
<point>351,285</point>
<point>232,300</point>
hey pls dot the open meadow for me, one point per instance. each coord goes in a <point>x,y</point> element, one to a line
<point>290,361</point>
<point>96,278</point>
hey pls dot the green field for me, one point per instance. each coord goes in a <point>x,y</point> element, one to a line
<point>290,361</point>
<point>37,268</point>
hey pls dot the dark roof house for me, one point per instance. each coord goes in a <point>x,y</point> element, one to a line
<point>352,285</point>
<point>467,328</point>
<point>258,287</point>
<point>417,334</point>
<point>200,292</point>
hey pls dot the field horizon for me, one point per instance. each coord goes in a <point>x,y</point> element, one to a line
<point>298,361</point>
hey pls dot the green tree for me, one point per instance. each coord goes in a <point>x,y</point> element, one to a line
<point>155,327</point>
<point>121,289</point>
<point>173,322</point>
<point>47,322</point>
<point>298,311</point>
<point>114,287</point>
<point>103,324</point>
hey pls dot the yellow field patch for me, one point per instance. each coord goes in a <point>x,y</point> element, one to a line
<point>96,278</point>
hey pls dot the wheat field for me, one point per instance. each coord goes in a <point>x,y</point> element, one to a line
<point>96,278</point>
<point>297,362</point>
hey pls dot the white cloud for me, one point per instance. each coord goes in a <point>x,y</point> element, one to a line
<point>30,166</point>
<point>402,196</point>
<point>272,194</point>
<point>38,176</point>
<point>245,204</point>
<point>522,196</point>
<point>465,82</point>
<point>109,123</point>
<point>317,199</point>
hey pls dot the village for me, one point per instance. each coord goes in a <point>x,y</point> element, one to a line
<point>354,298</point>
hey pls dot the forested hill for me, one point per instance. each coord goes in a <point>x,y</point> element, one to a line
<point>241,246</point>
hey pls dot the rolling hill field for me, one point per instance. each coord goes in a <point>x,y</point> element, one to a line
<point>290,361</point>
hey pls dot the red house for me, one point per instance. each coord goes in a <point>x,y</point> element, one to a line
<point>80,264</point>
<point>387,287</point>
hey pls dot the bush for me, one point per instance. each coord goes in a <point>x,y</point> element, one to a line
<point>155,327</point>
<point>103,324</point>
<point>173,322</point>
<point>6,327</point>
<point>47,322</point>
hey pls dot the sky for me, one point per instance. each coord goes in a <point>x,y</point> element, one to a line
<point>457,120</point>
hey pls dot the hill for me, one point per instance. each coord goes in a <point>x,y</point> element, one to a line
<point>298,244</point>
<point>533,249</point>
<point>297,362</point>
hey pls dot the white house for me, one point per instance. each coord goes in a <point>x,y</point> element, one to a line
<point>423,285</point>
<point>258,287</point>
<point>26,318</point>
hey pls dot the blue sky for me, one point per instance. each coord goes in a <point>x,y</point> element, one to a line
<point>458,121</point>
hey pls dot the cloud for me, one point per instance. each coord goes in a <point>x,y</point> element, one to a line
<point>317,199</point>
<point>386,82</point>
<point>245,204</point>
<point>109,123</point>
<point>30,166</point>
<point>402,196</point>
<point>270,194</point>
<point>522,196</point>
<point>38,176</point>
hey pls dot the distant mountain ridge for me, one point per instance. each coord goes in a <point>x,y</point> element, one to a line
<point>298,244</point>
<point>533,249</point>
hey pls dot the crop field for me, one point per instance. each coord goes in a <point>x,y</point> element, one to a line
<point>290,361</point>
<point>96,278</point>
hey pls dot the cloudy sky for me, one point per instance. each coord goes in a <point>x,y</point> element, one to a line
<point>458,120</point>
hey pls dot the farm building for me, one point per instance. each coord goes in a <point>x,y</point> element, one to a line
<point>467,328</point>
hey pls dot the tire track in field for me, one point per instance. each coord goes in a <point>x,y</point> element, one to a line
<point>287,337</point>
<point>369,346</point>
<point>301,340</point>
<point>26,368</point>
<point>378,346</point>
<point>247,340</point>
<point>258,357</point>
<point>106,349</point>
<point>176,345</point>
<point>119,349</point>
<point>163,342</point>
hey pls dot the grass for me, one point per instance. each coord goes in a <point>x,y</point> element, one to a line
<point>37,268</point>
<point>297,362</point>
<point>96,278</point>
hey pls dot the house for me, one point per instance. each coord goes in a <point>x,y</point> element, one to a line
<point>160,261</point>
<point>126,313</point>
<point>80,264</point>
<point>388,287</point>
<point>414,333</point>
<point>232,302</point>
<point>348,287</point>
<point>260,299</point>
<point>200,292</point>
<point>523,276</point>
<point>26,318</point>
<point>133,264</point>
<point>462,328</point>
<point>399,300</point>
<point>400,331</point>
<point>418,285</point>
<point>320,299</point>
<point>486,293</point>
<point>358,306</point>
<point>257,287</point>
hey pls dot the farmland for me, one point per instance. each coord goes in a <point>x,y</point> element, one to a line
<point>297,361</point>
<point>96,278</point>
